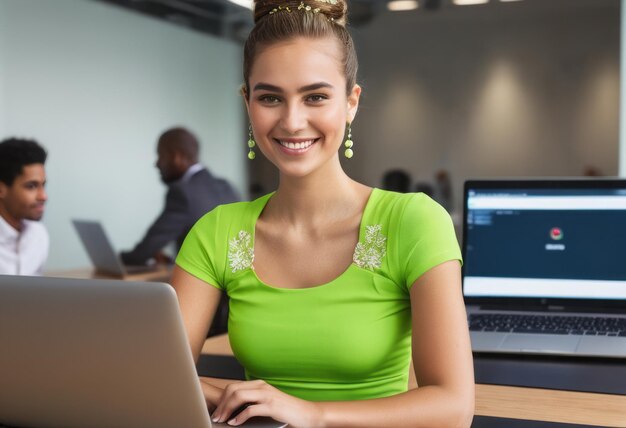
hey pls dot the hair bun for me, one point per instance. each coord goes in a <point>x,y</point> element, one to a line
<point>334,10</point>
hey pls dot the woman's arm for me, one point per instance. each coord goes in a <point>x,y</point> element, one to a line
<point>442,359</point>
<point>198,302</point>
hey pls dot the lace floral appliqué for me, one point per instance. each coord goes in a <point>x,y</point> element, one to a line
<point>240,252</point>
<point>369,254</point>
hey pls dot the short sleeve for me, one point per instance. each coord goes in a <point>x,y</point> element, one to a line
<point>200,254</point>
<point>427,237</point>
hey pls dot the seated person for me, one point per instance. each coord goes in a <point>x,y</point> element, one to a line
<point>24,240</point>
<point>192,192</point>
<point>334,286</point>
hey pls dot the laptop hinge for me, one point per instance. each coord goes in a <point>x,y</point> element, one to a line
<point>551,308</point>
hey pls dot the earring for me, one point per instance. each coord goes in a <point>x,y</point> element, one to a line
<point>348,144</point>
<point>251,143</point>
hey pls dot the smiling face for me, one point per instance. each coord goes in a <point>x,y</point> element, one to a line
<point>298,105</point>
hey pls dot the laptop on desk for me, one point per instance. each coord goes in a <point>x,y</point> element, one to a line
<point>545,266</point>
<point>98,354</point>
<point>102,254</point>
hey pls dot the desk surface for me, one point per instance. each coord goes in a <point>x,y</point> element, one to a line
<point>161,274</point>
<point>516,402</point>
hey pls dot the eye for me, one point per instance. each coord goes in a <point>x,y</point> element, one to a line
<point>269,99</point>
<point>316,98</point>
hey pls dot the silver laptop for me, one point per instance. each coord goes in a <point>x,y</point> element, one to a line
<point>545,266</point>
<point>101,253</point>
<point>97,353</point>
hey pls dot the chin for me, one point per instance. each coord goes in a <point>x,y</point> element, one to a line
<point>306,168</point>
<point>36,217</point>
<point>298,171</point>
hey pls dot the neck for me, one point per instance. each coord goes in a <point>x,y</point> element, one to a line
<point>15,223</point>
<point>184,168</point>
<point>326,195</point>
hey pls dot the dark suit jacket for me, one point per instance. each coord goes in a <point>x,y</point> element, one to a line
<point>185,202</point>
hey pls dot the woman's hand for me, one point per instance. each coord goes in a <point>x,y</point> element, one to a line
<point>212,394</point>
<point>262,399</point>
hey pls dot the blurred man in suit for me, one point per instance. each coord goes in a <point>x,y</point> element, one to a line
<point>23,239</point>
<point>192,192</point>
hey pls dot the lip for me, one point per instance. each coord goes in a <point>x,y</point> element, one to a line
<point>296,141</point>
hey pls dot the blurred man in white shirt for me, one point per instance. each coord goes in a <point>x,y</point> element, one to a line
<point>24,240</point>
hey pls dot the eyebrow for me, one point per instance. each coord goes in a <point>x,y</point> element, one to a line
<point>307,88</point>
<point>34,181</point>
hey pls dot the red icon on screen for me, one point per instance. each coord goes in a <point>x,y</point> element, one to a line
<point>556,233</point>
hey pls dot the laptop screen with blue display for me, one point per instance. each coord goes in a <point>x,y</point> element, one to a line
<point>545,239</point>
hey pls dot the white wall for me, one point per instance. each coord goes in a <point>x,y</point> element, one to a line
<point>504,90</point>
<point>96,85</point>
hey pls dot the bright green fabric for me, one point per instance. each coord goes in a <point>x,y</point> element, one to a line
<point>348,339</point>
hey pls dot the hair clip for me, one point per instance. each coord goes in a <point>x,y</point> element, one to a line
<point>302,6</point>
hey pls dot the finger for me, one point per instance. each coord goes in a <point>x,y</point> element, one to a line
<point>248,384</point>
<point>223,398</point>
<point>250,412</point>
<point>238,398</point>
<point>240,386</point>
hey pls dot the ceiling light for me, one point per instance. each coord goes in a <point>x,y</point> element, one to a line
<point>467,2</point>
<point>244,3</point>
<point>399,5</point>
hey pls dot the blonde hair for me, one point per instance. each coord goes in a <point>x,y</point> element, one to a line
<point>282,20</point>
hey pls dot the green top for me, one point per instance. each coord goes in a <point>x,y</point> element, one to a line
<point>348,339</point>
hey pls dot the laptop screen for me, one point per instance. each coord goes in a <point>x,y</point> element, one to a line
<point>545,239</point>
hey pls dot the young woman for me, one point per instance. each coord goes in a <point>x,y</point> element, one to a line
<point>334,286</point>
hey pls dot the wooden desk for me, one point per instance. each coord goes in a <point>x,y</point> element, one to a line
<point>161,274</point>
<point>516,402</point>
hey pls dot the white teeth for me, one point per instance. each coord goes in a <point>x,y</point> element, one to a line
<point>297,146</point>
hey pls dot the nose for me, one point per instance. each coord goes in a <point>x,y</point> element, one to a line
<point>42,195</point>
<point>294,118</point>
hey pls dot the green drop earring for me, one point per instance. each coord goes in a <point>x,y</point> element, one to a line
<point>348,144</point>
<point>251,143</point>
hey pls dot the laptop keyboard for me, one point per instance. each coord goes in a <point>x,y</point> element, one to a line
<point>548,324</point>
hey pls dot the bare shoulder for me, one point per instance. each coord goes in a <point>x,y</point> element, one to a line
<point>362,190</point>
